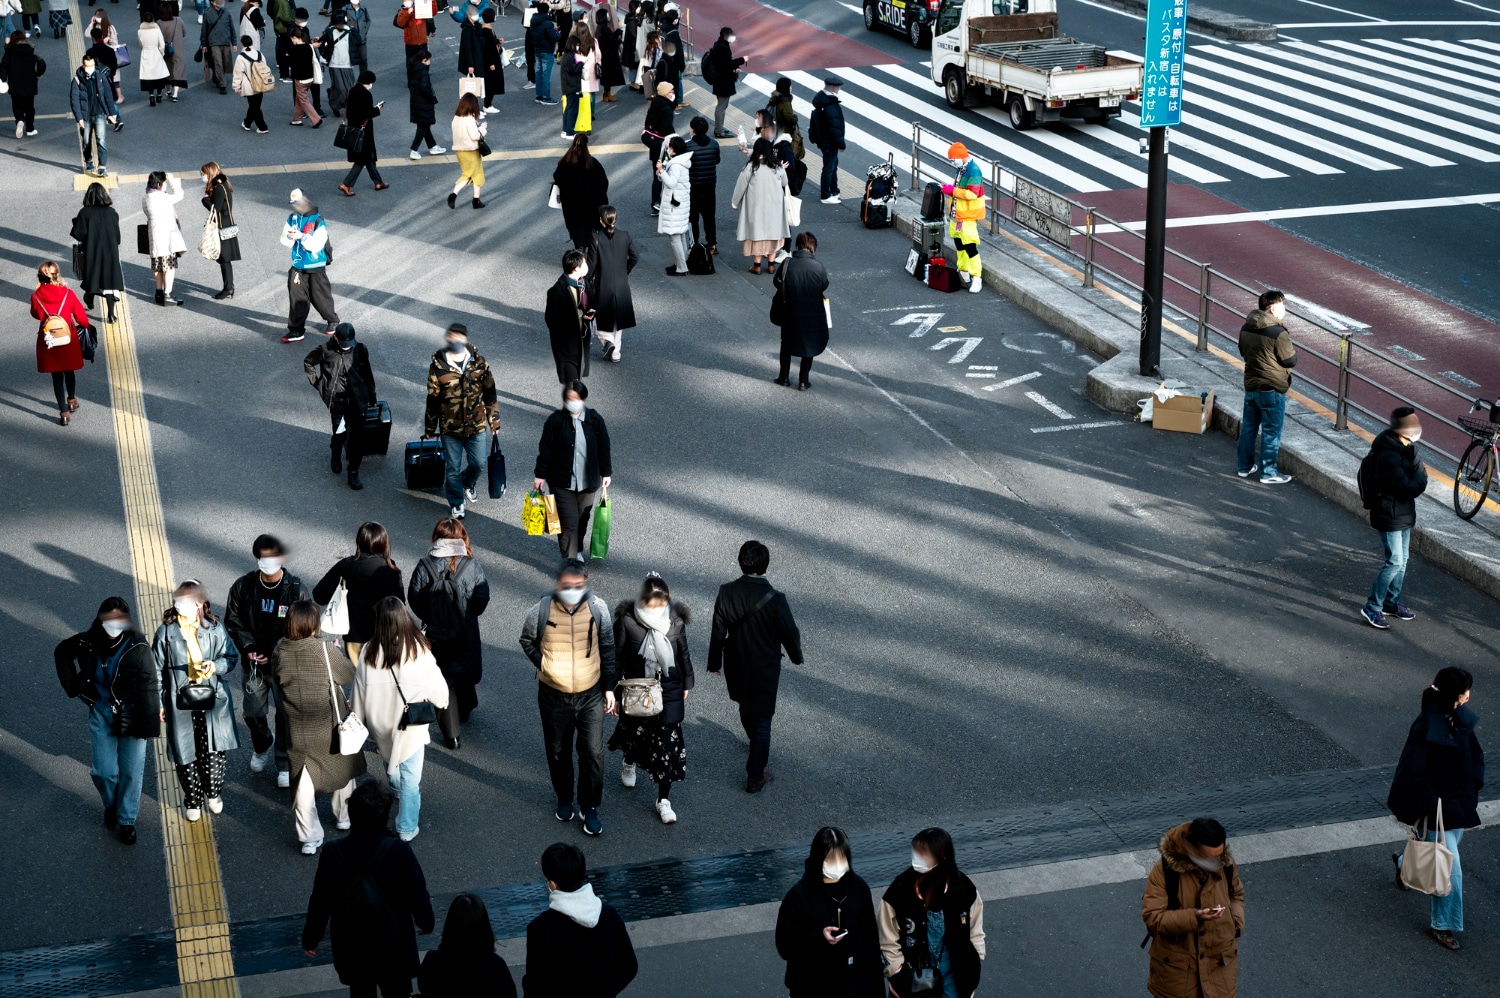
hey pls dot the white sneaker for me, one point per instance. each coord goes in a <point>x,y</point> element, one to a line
<point>415,154</point>
<point>407,837</point>
<point>457,512</point>
<point>216,805</point>
<point>492,110</point>
<point>665,813</point>
<point>976,285</point>
<point>310,848</point>
<point>436,151</point>
<point>20,129</point>
<point>529,86</point>
<point>192,813</point>
<point>200,18</point>
<point>472,494</point>
<point>283,779</point>
<point>627,775</point>
<point>1253,469</point>
<point>258,760</point>
<point>342,826</point>
<point>833,200</point>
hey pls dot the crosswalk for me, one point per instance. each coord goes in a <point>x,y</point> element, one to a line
<point>1264,112</point>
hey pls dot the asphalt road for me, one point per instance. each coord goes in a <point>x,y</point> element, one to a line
<point>994,617</point>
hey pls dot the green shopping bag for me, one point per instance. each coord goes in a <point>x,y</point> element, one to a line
<point>599,542</point>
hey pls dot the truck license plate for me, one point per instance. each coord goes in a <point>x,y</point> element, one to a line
<point>1109,102</point>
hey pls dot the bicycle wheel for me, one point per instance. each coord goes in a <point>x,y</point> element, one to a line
<point>1472,480</point>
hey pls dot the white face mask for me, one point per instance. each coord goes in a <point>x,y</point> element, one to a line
<point>574,406</point>
<point>269,566</point>
<point>115,628</point>
<point>186,606</point>
<point>918,863</point>
<point>1412,436</point>
<point>570,597</point>
<point>834,869</point>
<point>730,39</point>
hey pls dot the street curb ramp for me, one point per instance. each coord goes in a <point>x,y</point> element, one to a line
<point>1211,22</point>
<point>1318,456</point>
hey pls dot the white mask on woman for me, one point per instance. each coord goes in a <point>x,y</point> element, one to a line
<point>834,868</point>
<point>115,628</point>
<point>186,606</point>
<point>918,863</point>
<point>574,406</point>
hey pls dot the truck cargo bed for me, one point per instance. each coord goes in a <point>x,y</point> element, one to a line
<point>1064,54</point>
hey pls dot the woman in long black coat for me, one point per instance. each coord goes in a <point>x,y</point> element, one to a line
<point>611,256</point>
<point>470,48</point>
<point>360,111</point>
<point>96,228</point>
<point>825,929</point>
<point>423,102</point>
<point>567,315</point>
<point>218,195</point>
<point>611,70</point>
<point>583,189</point>
<point>801,286</point>
<point>492,58</point>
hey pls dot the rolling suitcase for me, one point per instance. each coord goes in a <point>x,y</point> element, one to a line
<point>880,191</point>
<point>424,465</point>
<point>376,429</point>
<point>876,214</point>
<point>932,202</point>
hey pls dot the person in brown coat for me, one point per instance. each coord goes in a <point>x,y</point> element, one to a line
<point>1194,910</point>
<point>308,669</point>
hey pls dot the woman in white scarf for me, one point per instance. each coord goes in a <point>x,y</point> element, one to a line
<point>651,643</point>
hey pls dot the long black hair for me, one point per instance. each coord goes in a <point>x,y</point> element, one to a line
<point>932,885</point>
<point>466,930</point>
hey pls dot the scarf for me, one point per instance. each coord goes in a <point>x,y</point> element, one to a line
<point>195,668</point>
<point>580,905</point>
<point>656,649</point>
<point>448,547</point>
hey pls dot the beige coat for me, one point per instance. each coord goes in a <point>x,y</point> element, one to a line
<point>1192,958</point>
<point>151,63</point>
<point>380,706</point>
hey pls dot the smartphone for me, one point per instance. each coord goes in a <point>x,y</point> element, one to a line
<point>840,935</point>
<point>1217,909</point>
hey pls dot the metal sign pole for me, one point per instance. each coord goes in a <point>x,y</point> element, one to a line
<point>1161,108</point>
<point>1156,252</point>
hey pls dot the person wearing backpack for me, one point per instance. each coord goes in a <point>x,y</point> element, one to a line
<point>569,637</point>
<point>1391,477</point>
<point>448,592</point>
<point>752,624</point>
<point>825,128</point>
<point>1269,357</point>
<point>393,677</point>
<point>1194,910</point>
<point>370,890</point>
<point>720,70</point>
<point>578,947</point>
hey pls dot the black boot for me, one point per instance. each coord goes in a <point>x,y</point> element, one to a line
<point>161,297</point>
<point>336,461</point>
<point>226,293</point>
<point>110,302</point>
<point>354,482</point>
<point>453,200</point>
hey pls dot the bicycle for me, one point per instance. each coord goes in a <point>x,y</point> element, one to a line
<point>1479,468</point>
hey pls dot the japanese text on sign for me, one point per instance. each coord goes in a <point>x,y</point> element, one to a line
<point>1161,80</point>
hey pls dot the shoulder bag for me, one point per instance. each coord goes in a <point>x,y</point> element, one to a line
<point>208,243</point>
<point>640,697</point>
<point>335,619</point>
<point>1428,866</point>
<point>413,715</point>
<point>350,734</point>
<point>196,696</point>
<point>728,628</point>
<point>554,197</point>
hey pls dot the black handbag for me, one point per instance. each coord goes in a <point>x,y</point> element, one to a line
<point>196,696</point>
<point>484,147</point>
<point>341,137</point>
<point>414,715</point>
<point>88,342</point>
<point>143,239</point>
<point>78,260</point>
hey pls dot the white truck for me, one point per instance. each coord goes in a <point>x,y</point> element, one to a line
<point>1007,53</point>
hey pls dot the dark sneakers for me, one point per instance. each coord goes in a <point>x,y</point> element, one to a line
<point>1374,618</point>
<point>565,810</point>
<point>756,786</point>
<point>591,823</point>
<point>1400,612</point>
<point>1396,861</point>
<point>111,818</point>
<point>126,834</point>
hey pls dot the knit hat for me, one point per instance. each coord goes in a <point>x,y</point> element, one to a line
<point>664,89</point>
<point>958,151</point>
<point>300,204</point>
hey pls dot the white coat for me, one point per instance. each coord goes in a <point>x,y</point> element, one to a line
<point>674,184</point>
<point>151,63</point>
<point>164,235</point>
<point>378,703</point>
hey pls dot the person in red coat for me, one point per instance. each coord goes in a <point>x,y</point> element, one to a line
<point>58,353</point>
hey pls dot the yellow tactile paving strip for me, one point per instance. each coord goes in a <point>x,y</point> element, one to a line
<point>200,916</point>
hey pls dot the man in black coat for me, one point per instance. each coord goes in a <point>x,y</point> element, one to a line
<point>703,180</point>
<point>568,315</point>
<point>370,886</point>
<point>825,127</point>
<point>423,103</point>
<point>752,624</point>
<point>1393,477</point>
<point>725,77</point>
<point>340,371</point>
<point>360,111</point>
<point>255,616</point>
<point>543,36</point>
<point>578,947</point>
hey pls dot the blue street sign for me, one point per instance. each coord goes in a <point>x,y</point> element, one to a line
<point>1166,46</point>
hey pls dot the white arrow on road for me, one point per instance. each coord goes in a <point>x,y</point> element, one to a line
<point>969,343</point>
<point>924,322</point>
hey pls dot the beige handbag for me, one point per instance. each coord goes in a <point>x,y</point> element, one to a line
<point>1428,866</point>
<point>640,697</point>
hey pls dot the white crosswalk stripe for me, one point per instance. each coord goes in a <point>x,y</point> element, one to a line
<point>1251,111</point>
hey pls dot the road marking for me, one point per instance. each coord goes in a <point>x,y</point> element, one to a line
<point>980,374</point>
<point>1050,406</point>
<point>1469,63</point>
<point>1079,426</point>
<point>1393,24</point>
<point>899,308</point>
<point>1013,381</point>
<point>984,367</point>
<point>1131,147</point>
<point>1404,353</point>
<point>924,322</point>
<point>1467,3</point>
<point>1382,57</point>
<point>200,915</point>
<point>967,345</point>
<point>1315,211</point>
<point>1442,47</point>
<point>1381,65</point>
<point>1221,156</point>
<point>1457,378</point>
<point>1340,10</point>
<point>1285,132</point>
<point>1327,317</point>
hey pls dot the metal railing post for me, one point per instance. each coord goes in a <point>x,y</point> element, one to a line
<point>916,145</point>
<point>994,200</point>
<point>1341,405</point>
<point>1088,248</point>
<point>1205,277</point>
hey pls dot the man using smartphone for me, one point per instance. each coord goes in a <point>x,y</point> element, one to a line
<point>1194,910</point>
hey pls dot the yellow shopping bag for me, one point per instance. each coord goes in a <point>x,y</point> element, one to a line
<point>534,514</point>
<point>585,115</point>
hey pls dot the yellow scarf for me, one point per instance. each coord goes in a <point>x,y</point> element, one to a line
<point>196,671</point>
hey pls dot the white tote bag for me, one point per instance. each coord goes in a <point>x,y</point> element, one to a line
<point>1428,866</point>
<point>793,211</point>
<point>554,197</point>
<point>349,735</point>
<point>336,614</point>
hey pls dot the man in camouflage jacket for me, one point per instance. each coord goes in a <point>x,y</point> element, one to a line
<point>462,410</point>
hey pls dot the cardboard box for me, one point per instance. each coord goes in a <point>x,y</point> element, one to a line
<point>1183,413</point>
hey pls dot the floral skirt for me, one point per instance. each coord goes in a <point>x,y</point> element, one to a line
<point>162,264</point>
<point>654,746</point>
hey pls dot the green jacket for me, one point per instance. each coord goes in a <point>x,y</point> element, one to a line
<point>461,403</point>
<point>282,16</point>
<point>1269,355</point>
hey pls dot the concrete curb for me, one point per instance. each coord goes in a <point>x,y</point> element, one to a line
<point>1212,22</point>
<point>1311,450</point>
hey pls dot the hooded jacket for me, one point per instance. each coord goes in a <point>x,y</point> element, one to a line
<point>1442,760</point>
<point>578,948</point>
<point>1398,478</point>
<point>1269,355</point>
<point>825,126</point>
<point>1189,958</point>
<point>20,67</point>
<point>137,687</point>
<point>461,402</point>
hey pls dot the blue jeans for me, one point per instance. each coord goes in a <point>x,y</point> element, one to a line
<point>544,63</point>
<point>1264,411</point>
<point>1386,592</point>
<point>119,765</point>
<point>407,786</point>
<point>98,130</point>
<point>1448,912</point>
<point>7,25</point>
<point>828,184</point>
<point>458,477</point>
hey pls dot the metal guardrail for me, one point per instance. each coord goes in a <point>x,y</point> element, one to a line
<point>1352,375</point>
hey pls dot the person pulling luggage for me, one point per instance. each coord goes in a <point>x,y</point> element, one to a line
<point>340,370</point>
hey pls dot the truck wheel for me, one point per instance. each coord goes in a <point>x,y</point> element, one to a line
<point>955,88</point>
<point>872,20</point>
<point>1020,118</point>
<point>915,33</point>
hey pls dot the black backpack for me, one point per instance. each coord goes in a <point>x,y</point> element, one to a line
<point>366,923</point>
<point>706,66</point>
<point>1172,880</point>
<point>1368,497</point>
<point>445,612</point>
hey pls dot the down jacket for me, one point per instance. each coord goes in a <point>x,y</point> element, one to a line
<point>630,634</point>
<point>460,657</point>
<point>1399,478</point>
<point>676,196</point>
<point>1189,958</point>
